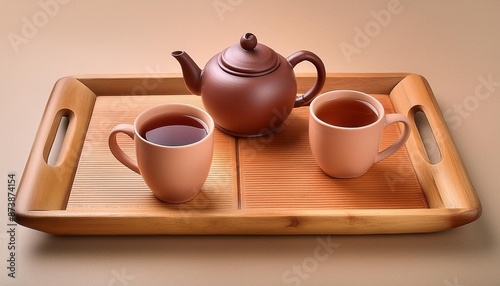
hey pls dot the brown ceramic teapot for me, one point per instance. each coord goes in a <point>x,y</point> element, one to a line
<point>249,89</point>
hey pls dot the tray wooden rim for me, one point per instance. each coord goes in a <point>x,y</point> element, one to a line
<point>449,208</point>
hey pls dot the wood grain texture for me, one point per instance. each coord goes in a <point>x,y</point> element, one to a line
<point>72,99</point>
<point>448,183</point>
<point>266,185</point>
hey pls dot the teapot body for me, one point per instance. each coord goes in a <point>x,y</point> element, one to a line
<point>248,106</point>
<point>248,88</point>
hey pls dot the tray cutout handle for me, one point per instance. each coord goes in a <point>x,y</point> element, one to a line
<point>426,134</point>
<point>49,172</point>
<point>57,142</point>
<point>447,182</point>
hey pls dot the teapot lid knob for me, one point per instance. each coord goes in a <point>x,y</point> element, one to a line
<point>248,58</point>
<point>248,41</point>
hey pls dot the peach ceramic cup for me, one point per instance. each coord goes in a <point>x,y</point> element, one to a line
<point>348,152</point>
<point>175,174</point>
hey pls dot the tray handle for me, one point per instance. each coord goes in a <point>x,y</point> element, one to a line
<point>46,182</point>
<point>447,180</point>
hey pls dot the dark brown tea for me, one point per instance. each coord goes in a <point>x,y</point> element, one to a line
<point>174,130</point>
<point>345,112</point>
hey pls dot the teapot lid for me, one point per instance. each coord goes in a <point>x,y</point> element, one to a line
<point>248,58</point>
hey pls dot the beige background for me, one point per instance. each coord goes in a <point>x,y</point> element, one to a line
<point>454,44</point>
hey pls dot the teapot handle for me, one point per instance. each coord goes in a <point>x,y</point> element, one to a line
<point>300,56</point>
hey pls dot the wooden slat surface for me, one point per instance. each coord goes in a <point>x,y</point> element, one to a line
<point>279,171</point>
<point>101,182</point>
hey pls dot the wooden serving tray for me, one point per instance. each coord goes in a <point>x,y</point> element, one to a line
<point>265,185</point>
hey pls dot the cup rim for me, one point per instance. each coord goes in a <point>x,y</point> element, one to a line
<point>171,106</point>
<point>336,94</point>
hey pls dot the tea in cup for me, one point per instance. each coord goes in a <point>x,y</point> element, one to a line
<point>174,149</point>
<point>345,129</point>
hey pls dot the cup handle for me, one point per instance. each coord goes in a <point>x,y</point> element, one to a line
<point>300,56</point>
<point>389,119</point>
<point>117,151</point>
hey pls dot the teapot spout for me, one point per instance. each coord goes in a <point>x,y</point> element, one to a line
<point>190,71</point>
